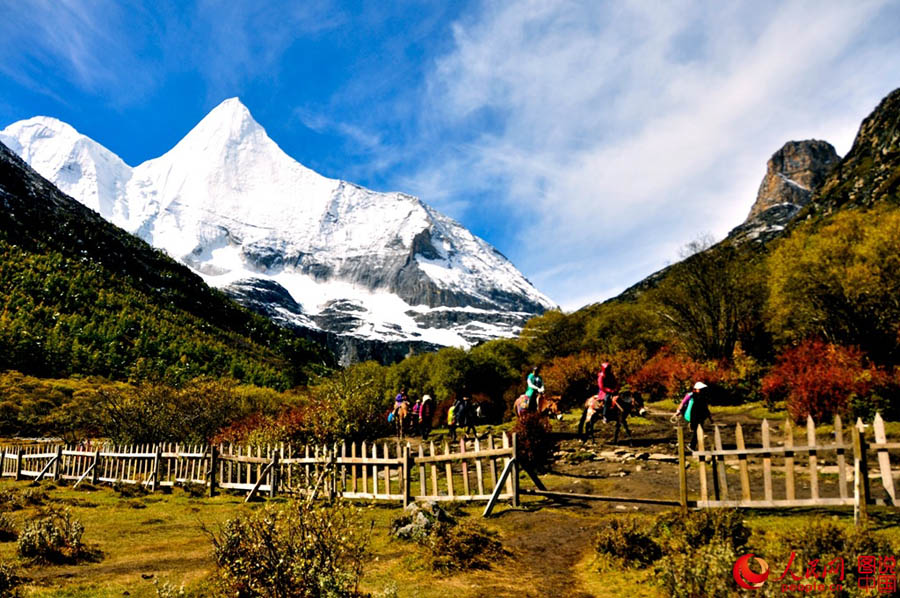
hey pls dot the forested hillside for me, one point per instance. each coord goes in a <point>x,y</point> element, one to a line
<point>83,297</point>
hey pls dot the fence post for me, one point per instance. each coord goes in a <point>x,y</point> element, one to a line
<point>515,471</point>
<point>861,477</point>
<point>19,464</point>
<point>884,460</point>
<point>789,491</point>
<point>273,476</point>
<point>95,468</point>
<point>56,463</point>
<point>406,475</point>
<point>154,486</point>
<point>682,472</point>
<point>213,469</point>
<point>2,460</point>
<point>329,463</point>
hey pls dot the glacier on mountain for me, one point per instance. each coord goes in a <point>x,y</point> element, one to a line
<point>310,252</point>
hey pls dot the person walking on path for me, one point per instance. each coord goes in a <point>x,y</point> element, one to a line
<point>426,413</point>
<point>469,419</point>
<point>453,419</point>
<point>695,410</point>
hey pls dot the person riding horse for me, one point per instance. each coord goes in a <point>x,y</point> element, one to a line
<point>607,386</point>
<point>621,406</point>
<point>535,388</point>
<point>400,411</point>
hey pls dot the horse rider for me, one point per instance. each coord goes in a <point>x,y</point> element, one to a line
<point>607,386</point>
<point>535,388</point>
<point>401,398</point>
<point>695,410</point>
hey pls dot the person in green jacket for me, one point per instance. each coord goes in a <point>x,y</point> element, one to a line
<point>535,388</point>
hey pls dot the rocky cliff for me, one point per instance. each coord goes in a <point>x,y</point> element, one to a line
<point>793,174</point>
<point>871,170</point>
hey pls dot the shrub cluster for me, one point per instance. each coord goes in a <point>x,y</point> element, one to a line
<point>694,556</point>
<point>822,380</point>
<point>533,441</point>
<point>9,582</point>
<point>628,541</point>
<point>8,531</point>
<point>54,538</point>
<point>298,550</point>
<point>669,375</point>
<point>463,546</point>
<point>452,545</point>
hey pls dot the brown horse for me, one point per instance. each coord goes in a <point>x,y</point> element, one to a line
<point>401,413</point>
<point>622,405</point>
<point>548,406</point>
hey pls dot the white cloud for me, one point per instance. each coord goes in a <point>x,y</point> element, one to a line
<point>623,130</point>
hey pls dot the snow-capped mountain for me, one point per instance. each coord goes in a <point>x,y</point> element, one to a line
<point>311,252</point>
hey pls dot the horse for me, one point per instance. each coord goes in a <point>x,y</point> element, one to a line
<point>548,406</point>
<point>401,412</point>
<point>623,405</point>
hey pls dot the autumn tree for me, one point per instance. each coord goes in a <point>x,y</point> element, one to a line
<point>711,299</point>
<point>841,282</point>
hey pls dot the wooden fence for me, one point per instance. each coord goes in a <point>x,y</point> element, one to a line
<point>469,470</point>
<point>809,461</point>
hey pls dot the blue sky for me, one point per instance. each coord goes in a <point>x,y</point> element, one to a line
<point>588,141</point>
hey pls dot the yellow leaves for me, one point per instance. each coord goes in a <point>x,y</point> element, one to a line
<point>840,279</point>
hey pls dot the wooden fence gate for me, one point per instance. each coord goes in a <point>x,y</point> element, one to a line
<point>811,462</point>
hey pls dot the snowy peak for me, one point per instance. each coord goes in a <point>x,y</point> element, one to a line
<point>306,250</point>
<point>229,124</point>
<point>78,165</point>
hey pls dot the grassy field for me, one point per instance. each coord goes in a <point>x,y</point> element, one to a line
<point>161,537</point>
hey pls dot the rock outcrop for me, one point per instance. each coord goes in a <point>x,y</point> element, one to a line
<point>871,170</point>
<point>793,174</point>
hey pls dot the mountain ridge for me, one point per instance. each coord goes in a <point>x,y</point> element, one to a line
<point>230,204</point>
<point>84,297</point>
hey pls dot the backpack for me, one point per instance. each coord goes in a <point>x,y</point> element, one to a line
<point>451,415</point>
<point>690,406</point>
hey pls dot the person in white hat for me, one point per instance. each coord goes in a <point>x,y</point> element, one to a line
<point>695,410</point>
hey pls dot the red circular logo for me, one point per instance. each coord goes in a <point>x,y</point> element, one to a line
<point>745,577</point>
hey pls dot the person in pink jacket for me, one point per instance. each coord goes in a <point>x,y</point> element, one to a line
<point>607,386</point>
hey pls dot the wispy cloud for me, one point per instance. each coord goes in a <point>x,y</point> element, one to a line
<point>588,140</point>
<point>619,131</point>
<point>83,44</point>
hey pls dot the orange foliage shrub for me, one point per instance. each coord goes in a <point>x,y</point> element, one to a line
<point>821,379</point>
<point>291,425</point>
<point>534,444</point>
<point>670,375</point>
<point>574,377</point>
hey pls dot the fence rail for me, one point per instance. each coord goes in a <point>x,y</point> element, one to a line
<point>466,470</point>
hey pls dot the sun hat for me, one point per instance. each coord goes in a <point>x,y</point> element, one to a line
<point>699,386</point>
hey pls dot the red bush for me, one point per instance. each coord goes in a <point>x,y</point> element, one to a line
<point>821,379</point>
<point>670,375</point>
<point>292,424</point>
<point>574,377</point>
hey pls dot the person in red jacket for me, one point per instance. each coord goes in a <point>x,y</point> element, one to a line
<point>607,386</point>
